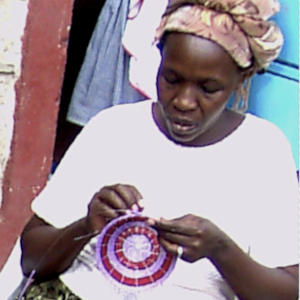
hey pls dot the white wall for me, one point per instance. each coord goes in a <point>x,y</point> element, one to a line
<point>12,21</point>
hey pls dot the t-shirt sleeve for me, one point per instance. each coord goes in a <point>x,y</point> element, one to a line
<point>68,192</point>
<point>275,215</point>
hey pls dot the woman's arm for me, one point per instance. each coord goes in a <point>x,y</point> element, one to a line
<point>249,280</point>
<point>50,251</point>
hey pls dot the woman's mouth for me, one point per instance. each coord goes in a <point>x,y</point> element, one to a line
<point>182,127</point>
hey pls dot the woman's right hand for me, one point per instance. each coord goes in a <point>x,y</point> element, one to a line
<point>111,202</point>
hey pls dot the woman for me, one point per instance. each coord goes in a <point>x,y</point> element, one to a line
<point>219,186</point>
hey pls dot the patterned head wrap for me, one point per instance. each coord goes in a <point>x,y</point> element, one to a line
<point>241,27</point>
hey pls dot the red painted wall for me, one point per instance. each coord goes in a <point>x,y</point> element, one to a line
<point>37,103</point>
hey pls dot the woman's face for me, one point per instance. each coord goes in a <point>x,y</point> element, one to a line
<point>195,79</point>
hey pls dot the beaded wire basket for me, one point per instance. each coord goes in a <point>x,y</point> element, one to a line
<point>130,256</point>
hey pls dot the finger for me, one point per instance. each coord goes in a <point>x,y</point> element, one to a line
<point>103,210</point>
<point>174,226</point>
<point>172,248</point>
<point>129,194</point>
<point>139,198</point>
<point>141,204</point>
<point>109,213</point>
<point>111,197</point>
<point>136,192</point>
<point>175,238</point>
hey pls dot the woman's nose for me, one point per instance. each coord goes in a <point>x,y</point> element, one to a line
<point>186,99</point>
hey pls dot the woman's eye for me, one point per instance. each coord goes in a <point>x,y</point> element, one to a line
<point>171,79</point>
<point>211,89</point>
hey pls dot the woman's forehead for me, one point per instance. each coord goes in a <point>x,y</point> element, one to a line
<point>189,52</point>
<point>193,44</point>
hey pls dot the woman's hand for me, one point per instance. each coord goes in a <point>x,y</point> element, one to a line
<point>198,237</point>
<point>111,202</point>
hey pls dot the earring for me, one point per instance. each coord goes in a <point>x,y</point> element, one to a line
<point>242,96</point>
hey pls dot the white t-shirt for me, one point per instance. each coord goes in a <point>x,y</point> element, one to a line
<point>246,184</point>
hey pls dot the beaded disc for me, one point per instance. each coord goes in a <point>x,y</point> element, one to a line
<point>129,253</point>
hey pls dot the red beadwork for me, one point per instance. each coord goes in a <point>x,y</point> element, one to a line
<point>128,251</point>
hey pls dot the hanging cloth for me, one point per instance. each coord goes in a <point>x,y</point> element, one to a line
<point>103,79</point>
<point>139,42</point>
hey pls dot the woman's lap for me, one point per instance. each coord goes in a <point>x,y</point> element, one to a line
<point>49,290</point>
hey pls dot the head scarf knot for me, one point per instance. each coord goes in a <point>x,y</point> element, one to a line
<point>241,27</point>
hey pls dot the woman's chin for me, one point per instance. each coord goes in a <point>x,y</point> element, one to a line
<point>183,137</point>
<point>182,133</point>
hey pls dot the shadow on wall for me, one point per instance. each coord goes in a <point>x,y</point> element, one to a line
<point>85,15</point>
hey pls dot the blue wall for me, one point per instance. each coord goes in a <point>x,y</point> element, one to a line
<point>275,94</point>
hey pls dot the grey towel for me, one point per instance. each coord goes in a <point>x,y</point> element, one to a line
<point>103,79</point>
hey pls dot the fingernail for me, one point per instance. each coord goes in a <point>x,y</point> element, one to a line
<point>141,203</point>
<point>150,222</point>
<point>134,208</point>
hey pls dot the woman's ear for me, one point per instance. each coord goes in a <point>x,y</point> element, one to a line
<point>247,73</point>
<point>242,90</point>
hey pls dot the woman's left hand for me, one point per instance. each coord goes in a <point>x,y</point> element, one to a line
<point>197,236</point>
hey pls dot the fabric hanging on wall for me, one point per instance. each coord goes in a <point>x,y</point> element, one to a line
<point>138,40</point>
<point>103,79</point>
